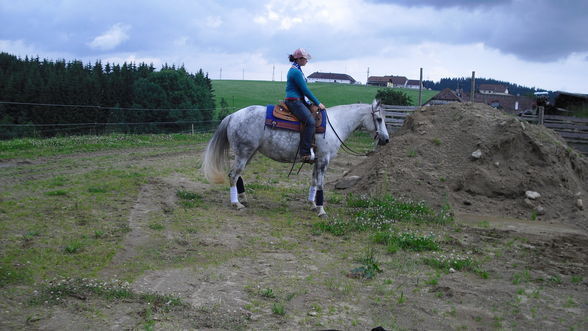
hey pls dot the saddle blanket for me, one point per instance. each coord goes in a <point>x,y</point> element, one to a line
<point>274,122</point>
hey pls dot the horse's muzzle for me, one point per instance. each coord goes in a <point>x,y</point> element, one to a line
<point>383,142</point>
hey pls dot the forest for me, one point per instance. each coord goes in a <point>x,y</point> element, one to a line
<point>465,85</point>
<point>47,98</point>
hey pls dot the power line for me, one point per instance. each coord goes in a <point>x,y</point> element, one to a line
<point>98,107</point>
<point>110,124</point>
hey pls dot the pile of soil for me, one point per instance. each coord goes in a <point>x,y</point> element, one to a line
<point>478,160</point>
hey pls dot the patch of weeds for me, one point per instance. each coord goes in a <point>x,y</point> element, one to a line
<point>267,293</point>
<point>56,291</point>
<point>433,280</point>
<point>555,279</point>
<point>56,193</point>
<point>98,189</point>
<point>436,141</point>
<point>10,274</point>
<point>156,226</point>
<point>370,268</point>
<point>190,199</point>
<point>446,262</point>
<point>570,303</point>
<point>521,277</point>
<point>74,247</point>
<point>484,224</point>
<point>279,309</point>
<point>99,234</point>
<point>411,153</point>
<point>576,279</point>
<point>401,298</point>
<point>407,241</point>
<point>534,216</point>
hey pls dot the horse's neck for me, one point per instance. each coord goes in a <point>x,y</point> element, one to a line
<point>346,119</point>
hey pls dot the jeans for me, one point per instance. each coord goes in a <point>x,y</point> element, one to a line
<point>299,109</point>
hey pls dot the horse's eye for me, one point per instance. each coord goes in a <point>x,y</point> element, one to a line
<point>379,120</point>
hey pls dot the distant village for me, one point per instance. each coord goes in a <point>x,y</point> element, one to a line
<point>494,95</point>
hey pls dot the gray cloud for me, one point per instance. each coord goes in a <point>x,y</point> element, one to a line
<point>445,3</point>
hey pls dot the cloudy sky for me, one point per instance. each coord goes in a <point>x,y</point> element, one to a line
<point>535,43</point>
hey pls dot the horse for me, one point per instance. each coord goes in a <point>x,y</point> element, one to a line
<point>246,133</point>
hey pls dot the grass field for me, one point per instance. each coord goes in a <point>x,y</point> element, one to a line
<point>243,93</point>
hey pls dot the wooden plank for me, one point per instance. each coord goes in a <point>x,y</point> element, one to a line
<point>566,118</point>
<point>575,135</point>
<point>386,107</point>
<point>567,126</point>
<point>392,114</point>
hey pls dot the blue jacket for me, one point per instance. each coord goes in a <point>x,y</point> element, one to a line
<point>296,86</point>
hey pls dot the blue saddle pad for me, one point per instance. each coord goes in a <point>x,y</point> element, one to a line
<point>274,122</point>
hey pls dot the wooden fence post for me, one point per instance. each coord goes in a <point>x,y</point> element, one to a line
<point>540,113</point>
<point>421,89</point>
<point>473,87</point>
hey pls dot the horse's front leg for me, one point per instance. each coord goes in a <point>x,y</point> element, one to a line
<point>318,179</point>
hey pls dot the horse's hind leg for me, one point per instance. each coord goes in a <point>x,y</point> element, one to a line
<point>318,177</point>
<point>238,197</point>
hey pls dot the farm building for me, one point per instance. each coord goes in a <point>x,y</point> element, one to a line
<point>493,89</point>
<point>393,81</point>
<point>328,77</point>
<point>444,97</point>
<point>508,103</point>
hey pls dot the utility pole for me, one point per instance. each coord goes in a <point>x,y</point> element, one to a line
<point>368,76</point>
<point>421,89</point>
<point>221,74</point>
<point>273,72</point>
<point>243,73</point>
<point>473,87</point>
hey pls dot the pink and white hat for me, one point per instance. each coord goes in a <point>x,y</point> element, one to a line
<point>301,52</point>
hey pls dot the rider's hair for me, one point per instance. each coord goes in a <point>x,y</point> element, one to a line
<point>291,58</point>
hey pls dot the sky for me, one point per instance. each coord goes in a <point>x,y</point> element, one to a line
<point>534,43</point>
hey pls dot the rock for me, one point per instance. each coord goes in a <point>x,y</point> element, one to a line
<point>477,154</point>
<point>451,270</point>
<point>312,313</point>
<point>540,210</point>
<point>523,125</point>
<point>347,182</point>
<point>497,164</point>
<point>580,204</point>
<point>532,195</point>
<point>529,203</point>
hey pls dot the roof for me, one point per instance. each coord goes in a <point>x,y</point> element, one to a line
<point>413,82</point>
<point>383,79</point>
<point>446,95</point>
<point>330,75</point>
<point>401,80</point>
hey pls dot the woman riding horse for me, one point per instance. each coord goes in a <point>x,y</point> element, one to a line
<point>296,91</point>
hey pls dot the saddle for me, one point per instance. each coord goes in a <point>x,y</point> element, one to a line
<point>279,116</point>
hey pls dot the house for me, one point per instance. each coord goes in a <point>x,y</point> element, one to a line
<point>506,102</point>
<point>444,97</point>
<point>413,83</point>
<point>378,80</point>
<point>397,81</point>
<point>493,89</point>
<point>328,77</point>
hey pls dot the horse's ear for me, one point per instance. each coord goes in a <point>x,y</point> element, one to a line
<point>376,103</point>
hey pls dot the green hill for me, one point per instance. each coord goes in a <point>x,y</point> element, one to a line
<point>242,93</point>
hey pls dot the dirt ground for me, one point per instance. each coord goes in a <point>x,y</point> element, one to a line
<point>243,266</point>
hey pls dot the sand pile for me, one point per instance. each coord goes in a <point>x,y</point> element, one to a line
<point>481,161</point>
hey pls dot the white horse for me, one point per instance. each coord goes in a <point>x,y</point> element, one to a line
<point>245,133</point>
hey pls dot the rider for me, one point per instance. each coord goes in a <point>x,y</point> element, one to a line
<point>296,91</point>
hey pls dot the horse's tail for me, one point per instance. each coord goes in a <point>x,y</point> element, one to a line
<point>216,155</point>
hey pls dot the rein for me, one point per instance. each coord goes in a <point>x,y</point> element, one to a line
<point>344,146</point>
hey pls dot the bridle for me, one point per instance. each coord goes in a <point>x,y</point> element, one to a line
<point>344,146</point>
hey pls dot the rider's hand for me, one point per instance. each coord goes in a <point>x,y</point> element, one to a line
<point>322,107</point>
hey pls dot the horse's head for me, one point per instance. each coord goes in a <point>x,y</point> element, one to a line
<point>375,122</point>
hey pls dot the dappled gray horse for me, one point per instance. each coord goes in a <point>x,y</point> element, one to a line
<point>245,133</point>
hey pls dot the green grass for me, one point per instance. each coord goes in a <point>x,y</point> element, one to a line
<point>243,93</point>
<point>34,147</point>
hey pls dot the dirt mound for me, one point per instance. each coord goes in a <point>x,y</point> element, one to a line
<point>481,161</point>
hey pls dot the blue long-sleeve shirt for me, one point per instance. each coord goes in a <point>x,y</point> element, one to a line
<point>296,86</point>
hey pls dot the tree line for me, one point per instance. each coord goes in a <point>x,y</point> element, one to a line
<point>466,83</point>
<point>77,93</point>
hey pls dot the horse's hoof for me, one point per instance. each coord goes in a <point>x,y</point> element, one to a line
<point>313,206</point>
<point>243,200</point>
<point>238,206</point>
<point>322,215</point>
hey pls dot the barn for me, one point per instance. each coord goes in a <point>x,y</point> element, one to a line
<point>329,77</point>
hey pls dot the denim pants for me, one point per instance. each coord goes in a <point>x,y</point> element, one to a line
<point>299,109</point>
